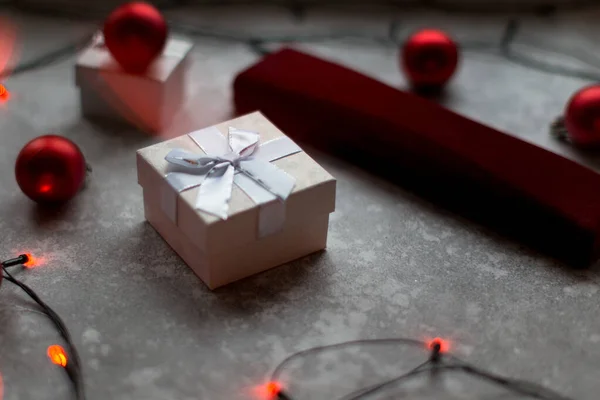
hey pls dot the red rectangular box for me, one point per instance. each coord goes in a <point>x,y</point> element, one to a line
<point>519,189</point>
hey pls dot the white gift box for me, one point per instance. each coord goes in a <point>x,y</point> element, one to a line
<point>258,230</point>
<point>149,101</point>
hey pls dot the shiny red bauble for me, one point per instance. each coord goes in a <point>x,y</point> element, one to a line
<point>429,58</point>
<point>135,34</point>
<point>582,117</point>
<point>50,169</point>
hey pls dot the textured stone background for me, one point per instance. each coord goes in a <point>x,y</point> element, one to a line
<point>147,329</point>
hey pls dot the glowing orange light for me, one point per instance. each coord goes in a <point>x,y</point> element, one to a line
<point>32,261</point>
<point>273,389</point>
<point>4,93</point>
<point>1,388</point>
<point>444,344</point>
<point>268,391</point>
<point>57,355</point>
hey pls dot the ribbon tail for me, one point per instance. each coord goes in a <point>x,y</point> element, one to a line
<point>215,192</point>
<point>271,216</point>
<point>271,178</point>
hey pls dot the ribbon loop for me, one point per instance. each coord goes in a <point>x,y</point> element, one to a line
<point>215,191</point>
<point>243,143</point>
<point>215,173</point>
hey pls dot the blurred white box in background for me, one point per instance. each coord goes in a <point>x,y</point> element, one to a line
<point>149,101</point>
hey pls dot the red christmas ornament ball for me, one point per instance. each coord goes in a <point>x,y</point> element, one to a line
<point>429,58</point>
<point>582,117</point>
<point>50,169</point>
<point>135,34</point>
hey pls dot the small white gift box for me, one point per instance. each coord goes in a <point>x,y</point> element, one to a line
<point>236,199</point>
<point>149,101</point>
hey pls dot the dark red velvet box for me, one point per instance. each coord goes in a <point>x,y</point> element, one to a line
<point>539,197</point>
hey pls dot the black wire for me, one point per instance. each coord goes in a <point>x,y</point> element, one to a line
<point>300,7</point>
<point>503,48</point>
<point>517,385</point>
<point>510,33</point>
<point>319,349</point>
<point>393,29</point>
<point>529,389</point>
<point>357,394</point>
<point>541,8</point>
<point>81,11</point>
<point>48,58</point>
<point>73,366</point>
<point>436,362</point>
<point>259,45</point>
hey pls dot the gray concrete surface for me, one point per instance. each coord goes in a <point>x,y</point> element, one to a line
<point>147,329</point>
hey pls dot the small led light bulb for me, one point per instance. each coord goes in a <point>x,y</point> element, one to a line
<point>4,94</point>
<point>57,355</point>
<point>273,388</point>
<point>438,347</point>
<point>442,345</point>
<point>31,261</point>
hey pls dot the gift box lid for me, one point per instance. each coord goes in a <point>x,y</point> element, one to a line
<point>97,57</point>
<point>313,194</point>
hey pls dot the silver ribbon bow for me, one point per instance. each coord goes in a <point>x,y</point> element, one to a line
<point>239,159</point>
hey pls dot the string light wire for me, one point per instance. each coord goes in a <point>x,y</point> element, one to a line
<point>319,349</point>
<point>73,367</point>
<point>49,58</point>
<point>360,393</point>
<point>260,44</point>
<point>438,361</point>
<point>299,7</point>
